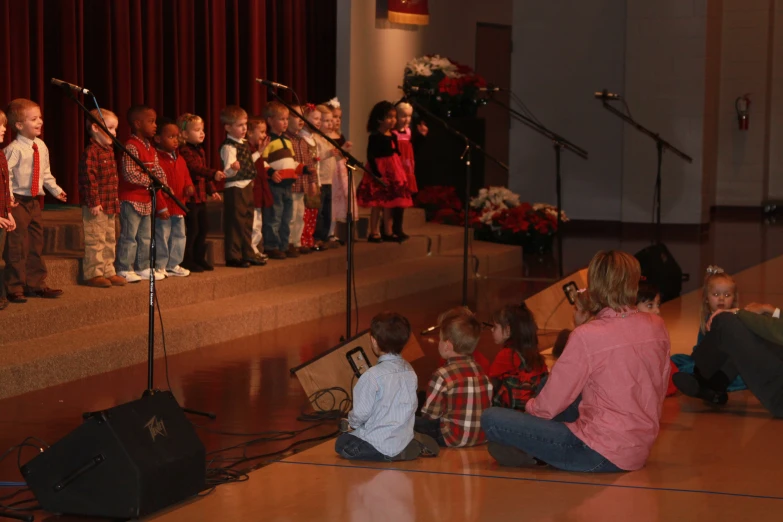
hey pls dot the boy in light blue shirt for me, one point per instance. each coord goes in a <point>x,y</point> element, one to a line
<point>384,401</point>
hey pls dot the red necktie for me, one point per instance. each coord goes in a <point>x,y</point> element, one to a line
<point>36,171</point>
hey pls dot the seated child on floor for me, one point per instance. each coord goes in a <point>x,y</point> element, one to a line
<point>384,401</point>
<point>519,370</point>
<point>459,392</point>
<point>582,315</point>
<point>648,300</point>
<point>718,293</point>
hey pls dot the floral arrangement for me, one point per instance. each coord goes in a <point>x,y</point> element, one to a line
<point>496,214</point>
<point>445,86</point>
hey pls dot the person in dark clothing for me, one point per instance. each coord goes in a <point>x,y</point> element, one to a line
<point>745,342</point>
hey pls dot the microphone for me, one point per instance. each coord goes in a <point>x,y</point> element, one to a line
<point>606,95</point>
<point>414,88</point>
<point>66,85</point>
<point>272,84</point>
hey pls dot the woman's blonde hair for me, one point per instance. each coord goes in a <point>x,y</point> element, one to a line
<point>713,275</point>
<point>613,280</point>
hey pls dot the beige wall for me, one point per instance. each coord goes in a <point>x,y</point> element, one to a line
<point>372,53</point>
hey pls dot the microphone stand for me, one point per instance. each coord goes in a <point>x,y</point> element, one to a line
<point>352,164</point>
<point>660,145</point>
<point>559,144</point>
<point>155,185</point>
<point>470,145</point>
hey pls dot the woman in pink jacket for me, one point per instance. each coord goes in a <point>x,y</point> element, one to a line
<point>601,407</point>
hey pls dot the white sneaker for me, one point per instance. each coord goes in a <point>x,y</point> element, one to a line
<point>130,276</point>
<point>145,274</point>
<point>160,273</point>
<point>177,271</point>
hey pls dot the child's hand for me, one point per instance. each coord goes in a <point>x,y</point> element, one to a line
<point>5,223</point>
<point>220,175</point>
<point>312,190</point>
<point>96,211</point>
<point>13,204</point>
<point>189,190</point>
<point>11,219</point>
<point>62,196</point>
<point>164,215</point>
<point>276,177</point>
<point>335,152</point>
<point>235,166</point>
<point>348,146</point>
<point>422,128</point>
<point>216,196</point>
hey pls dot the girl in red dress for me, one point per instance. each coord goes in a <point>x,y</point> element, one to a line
<point>384,160</point>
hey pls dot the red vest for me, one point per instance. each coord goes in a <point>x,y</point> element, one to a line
<point>128,191</point>
<point>178,179</point>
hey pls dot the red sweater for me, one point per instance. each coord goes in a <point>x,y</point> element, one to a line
<point>178,178</point>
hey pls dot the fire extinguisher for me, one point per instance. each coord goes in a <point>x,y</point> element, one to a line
<point>742,106</point>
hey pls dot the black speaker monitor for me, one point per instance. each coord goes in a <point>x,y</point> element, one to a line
<point>125,462</point>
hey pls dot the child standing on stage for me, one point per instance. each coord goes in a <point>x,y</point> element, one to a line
<point>7,223</point>
<point>203,177</point>
<point>305,183</point>
<point>170,224</point>
<point>341,191</point>
<point>135,199</point>
<point>283,172</point>
<point>403,133</point>
<point>98,180</point>
<point>29,172</point>
<point>238,193</point>
<point>312,203</point>
<point>328,158</point>
<point>257,140</point>
<point>383,159</point>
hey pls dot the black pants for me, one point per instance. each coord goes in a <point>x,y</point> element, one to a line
<point>324,221</point>
<point>238,222</point>
<point>196,225</point>
<point>430,427</point>
<point>732,348</point>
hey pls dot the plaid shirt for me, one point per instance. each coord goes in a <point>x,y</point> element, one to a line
<point>5,188</point>
<point>98,178</point>
<point>203,177</point>
<point>303,155</point>
<point>133,174</point>
<point>458,393</point>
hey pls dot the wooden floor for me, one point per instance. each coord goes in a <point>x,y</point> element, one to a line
<point>707,464</point>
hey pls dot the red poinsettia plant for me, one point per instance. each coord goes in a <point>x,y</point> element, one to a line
<point>445,86</point>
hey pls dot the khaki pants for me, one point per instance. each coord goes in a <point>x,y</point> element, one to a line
<point>99,244</point>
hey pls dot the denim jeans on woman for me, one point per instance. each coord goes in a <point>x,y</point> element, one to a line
<point>547,440</point>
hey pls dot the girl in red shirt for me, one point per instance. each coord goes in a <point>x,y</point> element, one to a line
<point>519,370</point>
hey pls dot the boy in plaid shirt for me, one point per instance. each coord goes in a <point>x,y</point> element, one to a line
<point>459,391</point>
<point>98,180</point>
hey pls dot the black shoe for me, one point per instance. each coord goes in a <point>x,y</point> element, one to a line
<point>276,254</point>
<point>193,267</point>
<point>45,292</point>
<point>237,263</point>
<point>506,455</point>
<point>16,297</point>
<point>689,385</point>
<point>206,265</point>
<point>256,261</point>
<point>403,237</point>
<point>374,239</point>
<point>390,239</point>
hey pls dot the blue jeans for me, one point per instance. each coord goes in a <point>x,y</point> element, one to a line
<point>277,218</point>
<point>352,447</point>
<point>169,242</point>
<point>548,440</point>
<point>134,244</point>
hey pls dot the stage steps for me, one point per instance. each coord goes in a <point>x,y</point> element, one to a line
<point>89,330</point>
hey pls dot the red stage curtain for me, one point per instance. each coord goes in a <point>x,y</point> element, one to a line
<point>175,55</point>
